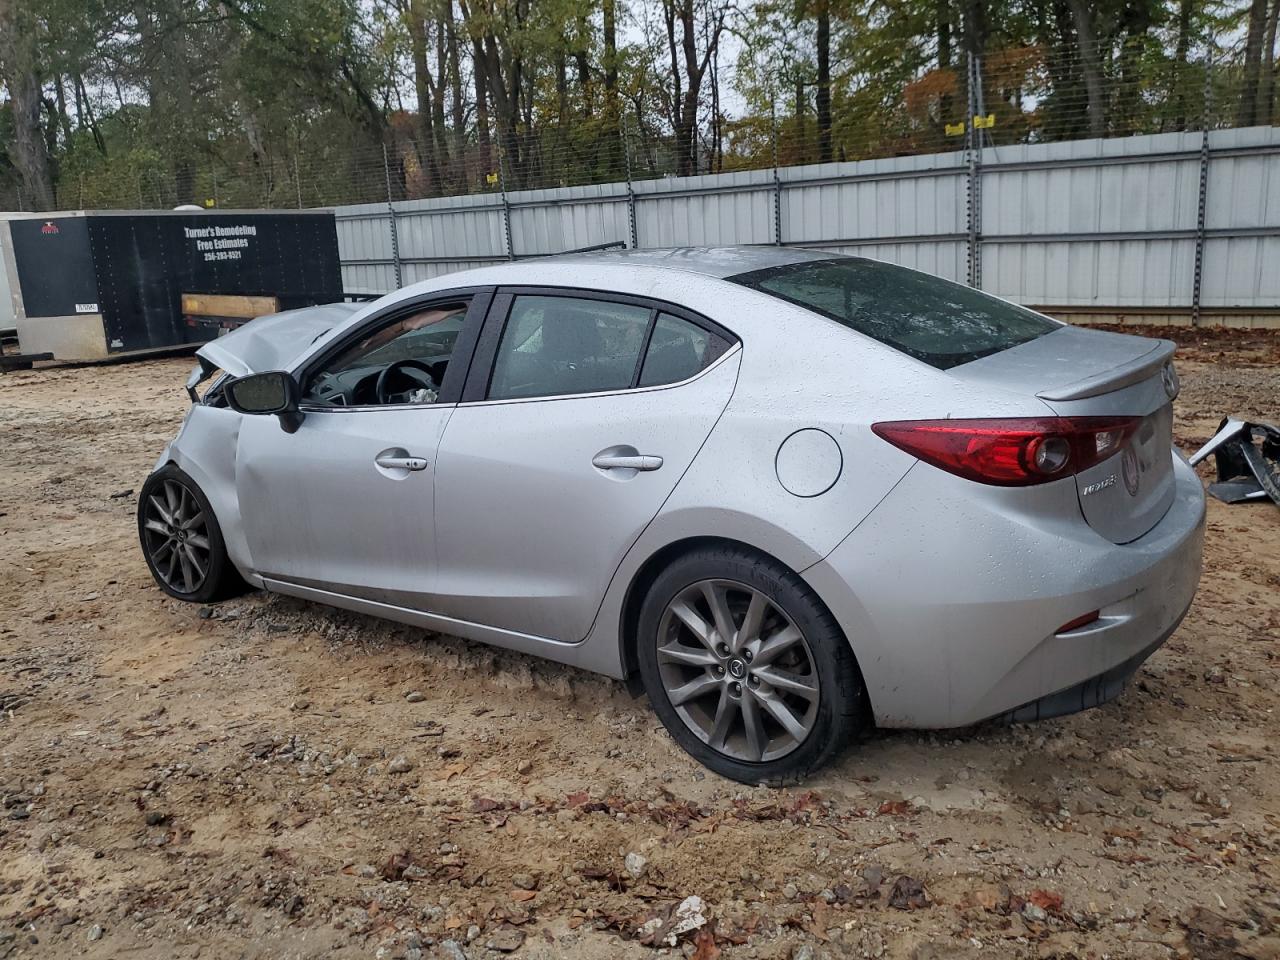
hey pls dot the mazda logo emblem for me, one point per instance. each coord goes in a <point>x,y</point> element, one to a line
<point>1130,473</point>
<point>737,669</point>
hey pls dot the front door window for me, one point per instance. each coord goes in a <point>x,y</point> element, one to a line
<point>403,362</point>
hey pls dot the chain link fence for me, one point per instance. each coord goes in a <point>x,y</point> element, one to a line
<point>1025,94</point>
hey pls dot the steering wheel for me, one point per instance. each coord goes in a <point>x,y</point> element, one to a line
<point>427,379</point>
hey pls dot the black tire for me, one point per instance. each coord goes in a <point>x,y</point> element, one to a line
<point>841,712</point>
<point>219,578</point>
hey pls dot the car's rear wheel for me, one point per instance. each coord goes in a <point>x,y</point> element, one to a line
<point>746,668</point>
<point>182,541</point>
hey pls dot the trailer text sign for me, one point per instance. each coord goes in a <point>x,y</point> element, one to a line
<point>218,242</point>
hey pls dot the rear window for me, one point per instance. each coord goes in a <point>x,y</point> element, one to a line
<point>934,320</point>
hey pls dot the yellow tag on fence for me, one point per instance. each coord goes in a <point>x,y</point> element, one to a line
<point>984,123</point>
<point>955,129</point>
<point>491,178</point>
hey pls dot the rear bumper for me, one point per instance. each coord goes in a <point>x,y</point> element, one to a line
<point>1087,694</point>
<point>951,597</point>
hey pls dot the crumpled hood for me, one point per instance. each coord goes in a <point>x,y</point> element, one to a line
<point>273,342</point>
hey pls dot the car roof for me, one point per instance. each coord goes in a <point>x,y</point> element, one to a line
<point>718,262</point>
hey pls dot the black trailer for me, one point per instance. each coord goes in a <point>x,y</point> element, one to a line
<point>86,285</point>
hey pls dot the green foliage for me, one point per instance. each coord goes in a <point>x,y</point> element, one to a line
<point>288,102</point>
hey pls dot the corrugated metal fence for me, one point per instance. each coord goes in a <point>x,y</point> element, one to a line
<point>1175,227</point>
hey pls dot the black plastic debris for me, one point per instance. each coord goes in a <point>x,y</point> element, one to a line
<point>1248,460</point>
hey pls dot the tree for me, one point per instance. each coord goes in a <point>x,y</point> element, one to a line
<point>19,68</point>
<point>684,20</point>
<point>1253,99</point>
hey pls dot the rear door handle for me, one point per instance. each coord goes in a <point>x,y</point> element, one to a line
<point>607,461</point>
<point>401,463</point>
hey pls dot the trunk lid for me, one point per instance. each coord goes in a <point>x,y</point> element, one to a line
<point>1080,372</point>
<point>273,342</point>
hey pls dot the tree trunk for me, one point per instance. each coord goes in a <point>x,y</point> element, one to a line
<point>1090,67</point>
<point>457,106</point>
<point>482,109</point>
<point>1249,114</point>
<point>612,107</point>
<point>583,64</point>
<point>975,27</point>
<point>1267,94</point>
<point>64,115</point>
<point>670,14</point>
<point>942,23</point>
<point>942,14</point>
<point>611,53</point>
<point>1180,79</point>
<point>823,101</point>
<point>562,92</point>
<point>439,127</point>
<point>423,128</point>
<point>18,68</point>
<point>689,114</point>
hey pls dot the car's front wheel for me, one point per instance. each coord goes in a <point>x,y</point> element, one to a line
<point>746,667</point>
<point>181,539</point>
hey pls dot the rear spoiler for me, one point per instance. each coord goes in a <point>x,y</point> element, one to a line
<point>1130,372</point>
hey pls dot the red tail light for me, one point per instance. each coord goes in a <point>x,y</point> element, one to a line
<point>1011,453</point>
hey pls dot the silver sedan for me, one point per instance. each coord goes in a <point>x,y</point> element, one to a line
<point>787,495</point>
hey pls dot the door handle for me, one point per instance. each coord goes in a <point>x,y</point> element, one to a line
<point>606,461</point>
<point>401,463</point>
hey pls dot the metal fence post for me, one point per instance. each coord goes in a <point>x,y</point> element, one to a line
<point>1202,203</point>
<point>506,204</point>
<point>297,180</point>
<point>777,183</point>
<point>973,193</point>
<point>631,193</point>
<point>391,213</point>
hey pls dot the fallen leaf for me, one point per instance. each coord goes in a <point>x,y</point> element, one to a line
<point>704,945</point>
<point>523,896</point>
<point>907,894</point>
<point>396,865</point>
<point>1046,900</point>
<point>818,925</point>
<point>1182,840</point>
<point>988,898</point>
<point>895,808</point>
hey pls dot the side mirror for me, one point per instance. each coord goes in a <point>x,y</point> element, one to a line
<point>272,392</point>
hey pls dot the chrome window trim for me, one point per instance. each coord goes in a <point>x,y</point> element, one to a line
<point>733,350</point>
<point>375,407</point>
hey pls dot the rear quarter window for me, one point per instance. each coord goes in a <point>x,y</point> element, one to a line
<point>944,324</point>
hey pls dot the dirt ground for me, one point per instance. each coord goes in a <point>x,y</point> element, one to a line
<point>179,781</point>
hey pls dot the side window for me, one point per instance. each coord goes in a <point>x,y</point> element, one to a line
<point>553,346</point>
<point>400,363</point>
<point>677,350</point>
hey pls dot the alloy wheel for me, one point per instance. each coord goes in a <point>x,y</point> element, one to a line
<point>177,536</point>
<point>737,670</point>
